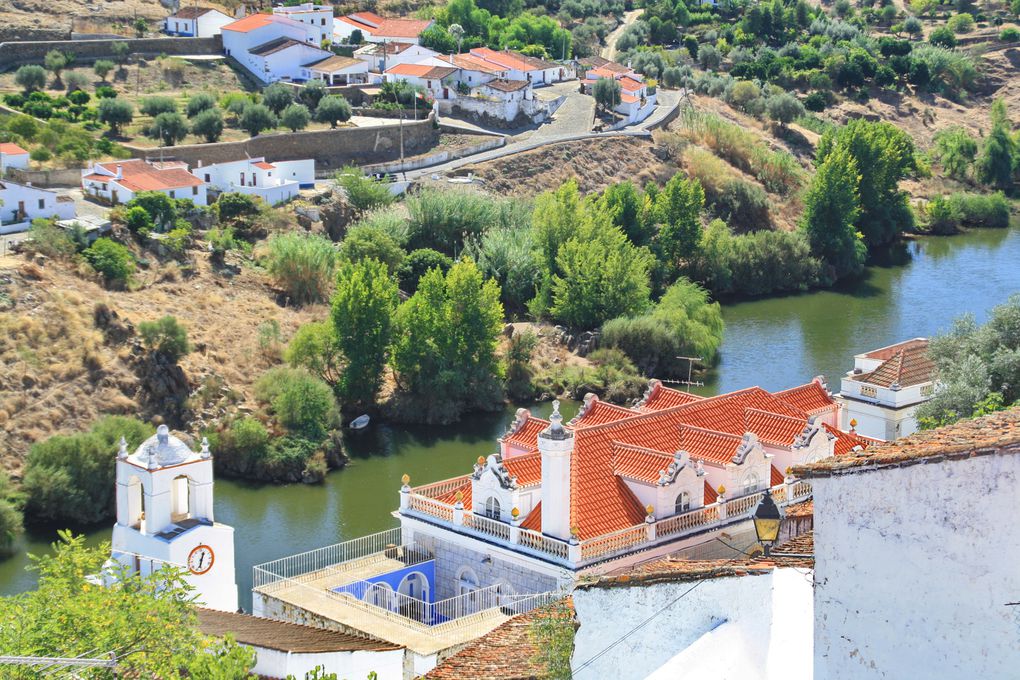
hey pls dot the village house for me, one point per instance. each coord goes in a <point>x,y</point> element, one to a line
<point>882,392</point>
<point>381,56</point>
<point>914,576</point>
<point>318,18</point>
<point>520,67</point>
<point>337,70</point>
<point>474,71</point>
<point>557,500</point>
<point>273,47</point>
<point>274,183</point>
<point>377,29</point>
<point>22,203</point>
<point>12,156</point>
<point>438,81</point>
<point>195,22</point>
<point>636,102</point>
<point>118,181</point>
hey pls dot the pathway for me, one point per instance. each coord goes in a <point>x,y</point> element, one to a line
<point>609,51</point>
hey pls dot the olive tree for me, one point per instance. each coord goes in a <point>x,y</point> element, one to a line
<point>333,109</point>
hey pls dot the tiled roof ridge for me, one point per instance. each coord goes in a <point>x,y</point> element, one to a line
<point>709,431</point>
<point>641,449</point>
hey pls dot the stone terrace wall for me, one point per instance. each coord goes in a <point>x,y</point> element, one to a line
<point>29,52</point>
<point>331,149</point>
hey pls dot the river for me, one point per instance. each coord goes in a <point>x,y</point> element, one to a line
<point>916,290</point>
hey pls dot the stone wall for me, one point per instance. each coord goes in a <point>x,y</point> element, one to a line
<point>61,177</point>
<point>14,54</point>
<point>331,149</point>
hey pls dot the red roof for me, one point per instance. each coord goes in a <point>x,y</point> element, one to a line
<point>811,398</point>
<point>710,494</point>
<point>664,397</point>
<point>846,441</point>
<point>773,428</point>
<point>627,98</point>
<point>526,437</point>
<point>598,412</point>
<point>512,60</point>
<point>377,26</point>
<point>630,85</point>
<point>370,18</point>
<point>637,463</point>
<point>139,175</point>
<point>264,165</point>
<point>251,22</point>
<point>470,62</point>
<point>450,497</point>
<point>421,70</point>
<point>725,413</point>
<point>712,447</point>
<point>906,367</point>
<point>11,149</point>
<point>527,469</point>
<point>533,522</point>
<point>776,478</point>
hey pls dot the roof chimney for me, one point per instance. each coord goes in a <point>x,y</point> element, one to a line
<point>120,172</point>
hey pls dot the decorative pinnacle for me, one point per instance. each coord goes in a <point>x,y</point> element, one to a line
<point>123,451</point>
<point>406,479</point>
<point>459,496</point>
<point>649,509</point>
<point>481,460</point>
<point>721,490</point>
<point>555,419</point>
<point>515,513</point>
<point>206,453</point>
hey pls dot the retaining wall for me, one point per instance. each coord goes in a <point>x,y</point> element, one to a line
<point>436,158</point>
<point>31,52</point>
<point>62,177</point>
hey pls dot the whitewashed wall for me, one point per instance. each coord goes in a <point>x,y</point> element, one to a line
<point>388,665</point>
<point>915,566</point>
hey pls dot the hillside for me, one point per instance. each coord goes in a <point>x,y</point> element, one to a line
<point>44,20</point>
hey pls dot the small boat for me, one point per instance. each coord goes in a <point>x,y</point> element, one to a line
<point>359,423</point>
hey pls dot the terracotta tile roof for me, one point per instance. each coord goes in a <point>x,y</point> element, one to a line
<point>11,149</point>
<point>526,437</point>
<point>668,569</point>
<point>802,509</point>
<point>512,60</point>
<point>450,497</point>
<point>599,73</point>
<point>251,22</point>
<point>421,71</point>
<point>627,98</point>
<point>192,12</point>
<point>773,428</point>
<point>846,441</point>
<point>141,176</point>
<point>370,18</point>
<point>711,496</point>
<point>598,412</point>
<point>630,85</point>
<point>506,85</point>
<point>637,463</point>
<point>533,522</point>
<point>906,367</point>
<point>507,653</point>
<point>376,49</point>
<point>811,398</point>
<point>469,62</point>
<point>708,445</point>
<point>883,353</point>
<point>275,45</point>
<point>776,477</point>
<point>661,397</point>
<point>605,64</point>
<point>335,63</point>
<point>995,434</point>
<point>527,469</point>
<point>284,636</point>
<point>725,413</point>
<point>387,28</point>
<point>264,165</point>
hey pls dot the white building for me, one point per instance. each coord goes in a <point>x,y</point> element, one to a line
<point>916,556</point>
<point>319,18</point>
<point>273,47</point>
<point>118,181</point>
<point>21,203</point>
<point>882,392</point>
<point>12,156</point>
<point>285,650</point>
<point>521,67</point>
<point>165,516</point>
<point>381,56</point>
<point>337,70</point>
<point>195,22</point>
<point>377,29</point>
<point>474,71</point>
<point>274,183</point>
<point>438,81</point>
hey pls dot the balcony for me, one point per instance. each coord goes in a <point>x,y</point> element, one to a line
<point>422,503</point>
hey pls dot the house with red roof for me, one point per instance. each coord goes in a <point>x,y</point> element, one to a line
<point>885,387</point>
<point>12,156</point>
<point>438,81</point>
<point>522,67</point>
<point>636,101</point>
<point>274,183</point>
<point>318,18</point>
<point>378,29</point>
<point>118,181</point>
<point>380,56</point>
<point>274,47</point>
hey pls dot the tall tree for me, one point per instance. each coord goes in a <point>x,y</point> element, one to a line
<point>678,209</point>
<point>362,314</point>
<point>997,161</point>
<point>831,207</point>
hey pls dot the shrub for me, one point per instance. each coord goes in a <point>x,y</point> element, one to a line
<point>295,117</point>
<point>71,479</point>
<point>40,154</point>
<point>302,264</point>
<point>257,118</point>
<point>241,448</point>
<point>102,68</point>
<point>442,219</point>
<point>231,207</point>
<point>301,402</point>
<point>417,263</point>
<point>116,113</point>
<point>1009,34</point>
<point>365,242</point>
<point>168,127</point>
<point>153,106</point>
<point>138,221</point>
<point>31,77</point>
<point>105,92</point>
<point>161,208</point>
<point>202,101</point>
<point>363,193</point>
<point>277,97</point>
<point>784,108</point>
<point>960,23</point>
<point>76,82</point>
<point>333,109</point>
<point>166,336</point>
<point>112,260</point>
<point>744,206</point>
<point>942,37</point>
<point>10,517</point>
<point>312,93</point>
<point>208,124</point>
<point>982,210</point>
<point>507,255</point>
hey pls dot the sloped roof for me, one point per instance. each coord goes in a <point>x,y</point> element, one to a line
<point>883,353</point>
<point>421,71</point>
<point>772,428</point>
<point>506,84</point>
<point>596,412</point>
<point>389,47</point>
<point>906,367</point>
<point>526,437</point>
<point>192,12</point>
<point>469,62</point>
<point>275,45</point>
<point>450,497</point>
<point>370,18</point>
<point>284,636</point>
<point>639,463</point>
<point>513,60</point>
<point>661,397</point>
<point>527,469</point>
<point>811,398</point>
<point>630,85</point>
<point>533,522</point>
<point>336,63</point>
<point>374,25</point>
<point>253,21</point>
<point>139,175</point>
<point>11,149</point>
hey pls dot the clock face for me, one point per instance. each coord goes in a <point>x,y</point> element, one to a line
<point>201,559</point>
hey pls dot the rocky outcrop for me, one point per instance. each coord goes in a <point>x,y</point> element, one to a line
<point>162,386</point>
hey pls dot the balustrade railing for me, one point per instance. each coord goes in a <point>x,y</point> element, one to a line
<point>430,506</point>
<point>487,526</point>
<point>743,505</point>
<point>536,541</point>
<point>614,542</point>
<point>439,488</point>
<point>687,521</point>
<point>801,490</point>
<point>325,558</point>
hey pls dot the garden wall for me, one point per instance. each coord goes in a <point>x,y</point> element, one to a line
<point>59,177</point>
<point>32,52</point>
<point>331,149</point>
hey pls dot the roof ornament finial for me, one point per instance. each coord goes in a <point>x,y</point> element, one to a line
<point>555,419</point>
<point>163,435</point>
<point>206,453</point>
<point>122,452</point>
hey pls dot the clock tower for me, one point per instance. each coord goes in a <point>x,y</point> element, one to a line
<point>165,516</point>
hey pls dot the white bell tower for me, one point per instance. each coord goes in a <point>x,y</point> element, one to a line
<point>165,515</point>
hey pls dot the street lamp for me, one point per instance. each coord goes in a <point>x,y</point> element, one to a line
<point>767,518</point>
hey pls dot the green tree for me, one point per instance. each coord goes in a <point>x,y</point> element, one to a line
<point>148,621</point>
<point>110,259</point>
<point>208,125</point>
<point>199,102</point>
<point>603,276</point>
<point>155,105</point>
<point>120,51</point>
<point>11,521</point>
<point>161,208</point>
<point>622,204</point>
<point>417,263</point>
<point>55,61</point>
<point>277,97</point>
<point>312,93</point>
<point>116,113</point>
<point>314,348</point>
<point>166,336</point>
<point>678,209</point>
<point>31,77</point>
<point>831,208</point>
<point>306,407</point>
<point>295,117</point>
<point>362,314</point>
<point>256,119</point>
<point>333,109</point>
<point>138,221</point>
<point>302,264</point>
<point>784,108</point>
<point>70,478</point>
<point>607,93</point>
<point>169,128</point>
<point>997,161</point>
<point>141,27</point>
<point>102,68</point>
<point>884,155</point>
<point>364,242</point>
<point>956,150</point>
<point>362,191</point>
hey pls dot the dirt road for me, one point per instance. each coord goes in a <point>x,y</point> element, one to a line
<point>609,51</point>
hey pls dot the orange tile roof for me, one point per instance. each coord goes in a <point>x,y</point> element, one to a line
<point>512,60</point>
<point>909,366</point>
<point>533,522</point>
<point>470,62</point>
<point>526,437</point>
<point>527,469</point>
<point>402,28</point>
<point>776,477</point>
<point>887,352</point>
<point>251,22</point>
<point>627,98</point>
<point>773,428</point>
<point>846,441</point>
<point>598,412</point>
<point>141,176</point>
<point>421,70</point>
<point>725,413</point>
<point>600,72</point>
<point>366,17</point>
<point>811,398</point>
<point>11,149</point>
<point>638,463</point>
<point>630,85</point>
<point>710,494</point>
<point>264,165</point>
<point>450,497</point>
<point>661,397</point>
<point>712,447</point>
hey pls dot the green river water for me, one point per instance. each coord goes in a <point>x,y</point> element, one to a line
<point>917,290</point>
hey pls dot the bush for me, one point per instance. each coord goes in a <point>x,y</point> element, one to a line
<point>48,239</point>
<point>364,242</point>
<point>1009,34</point>
<point>961,23</point>
<point>202,101</point>
<point>363,193</point>
<point>257,118</point>
<point>71,479</point>
<point>982,210</point>
<point>943,37</point>
<point>333,109</point>
<point>312,93</point>
<point>116,113</point>
<point>106,92</point>
<point>153,106</point>
<point>442,218</point>
<point>76,82</point>
<point>744,206</point>
<point>208,124</point>
<point>110,259</point>
<point>168,127</point>
<point>507,255</point>
<point>417,263</point>
<point>160,207</point>
<point>241,448</point>
<point>102,68</point>
<point>138,221</point>
<point>302,265</point>
<point>11,520</point>
<point>295,117</point>
<point>31,77</point>
<point>165,336</point>
<point>301,402</point>
<point>277,97</point>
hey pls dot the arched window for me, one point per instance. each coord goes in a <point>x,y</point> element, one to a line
<point>180,498</point>
<point>492,508</point>
<point>683,502</point>
<point>751,483</point>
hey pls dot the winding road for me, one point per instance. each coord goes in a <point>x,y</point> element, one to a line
<point>609,51</point>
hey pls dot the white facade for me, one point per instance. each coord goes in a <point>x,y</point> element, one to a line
<point>22,203</point>
<point>916,565</point>
<point>753,627</point>
<point>260,44</point>
<point>118,182</point>
<point>556,445</point>
<point>272,663</point>
<point>318,18</point>
<point>274,183</point>
<point>165,516</point>
<point>12,156</point>
<point>206,24</point>
<point>380,58</point>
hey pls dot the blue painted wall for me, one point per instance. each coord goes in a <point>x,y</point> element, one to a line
<point>393,579</point>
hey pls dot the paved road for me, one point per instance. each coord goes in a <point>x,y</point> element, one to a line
<point>609,51</point>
